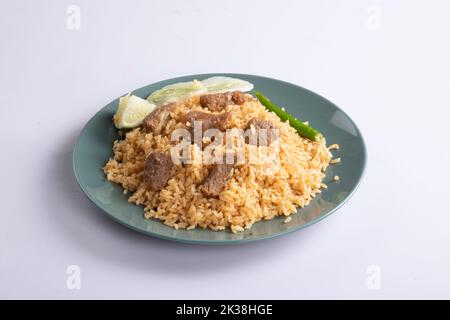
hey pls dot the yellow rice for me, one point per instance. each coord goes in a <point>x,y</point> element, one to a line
<point>250,194</point>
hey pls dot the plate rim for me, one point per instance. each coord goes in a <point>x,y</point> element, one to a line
<point>230,241</point>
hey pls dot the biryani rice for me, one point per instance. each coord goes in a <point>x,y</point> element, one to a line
<point>250,195</point>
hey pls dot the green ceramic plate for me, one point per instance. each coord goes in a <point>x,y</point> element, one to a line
<point>94,148</point>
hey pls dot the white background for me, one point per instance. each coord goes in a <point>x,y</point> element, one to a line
<point>386,65</point>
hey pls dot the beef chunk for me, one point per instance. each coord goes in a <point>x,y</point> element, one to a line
<point>158,166</point>
<point>216,180</point>
<point>157,120</point>
<point>209,121</point>
<point>267,136</point>
<point>239,97</point>
<point>218,101</point>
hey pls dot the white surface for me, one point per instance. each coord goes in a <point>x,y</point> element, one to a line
<point>393,81</point>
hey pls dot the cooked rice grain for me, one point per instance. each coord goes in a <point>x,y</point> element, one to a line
<point>335,161</point>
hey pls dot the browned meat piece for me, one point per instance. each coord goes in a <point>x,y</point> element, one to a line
<point>157,120</point>
<point>158,166</point>
<point>218,101</point>
<point>216,180</point>
<point>209,121</point>
<point>215,101</point>
<point>240,97</point>
<point>269,134</point>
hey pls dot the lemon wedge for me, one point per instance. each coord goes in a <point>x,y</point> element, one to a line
<point>132,111</point>
<point>176,92</point>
